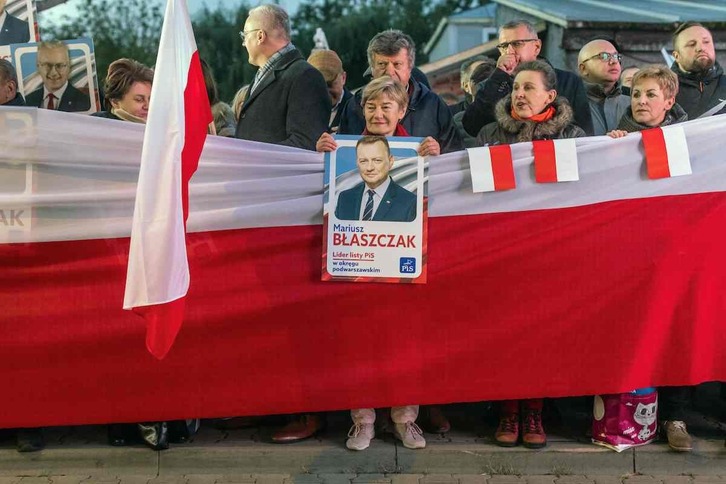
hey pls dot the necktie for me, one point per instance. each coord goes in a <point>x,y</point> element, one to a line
<point>51,104</point>
<point>368,211</point>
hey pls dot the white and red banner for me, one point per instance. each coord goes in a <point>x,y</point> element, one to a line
<point>666,152</point>
<point>602,285</point>
<point>179,114</point>
<point>555,160</point>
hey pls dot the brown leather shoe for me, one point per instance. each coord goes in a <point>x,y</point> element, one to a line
<point>437,421</point>
<point>533,434</point>
<point>507,433</point>
<point>302,427</point>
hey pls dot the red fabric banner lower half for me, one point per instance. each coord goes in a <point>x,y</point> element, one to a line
<point>595,299</point>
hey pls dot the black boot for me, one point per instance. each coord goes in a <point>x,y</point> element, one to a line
<point>30,440</point>
<point>155,434</point>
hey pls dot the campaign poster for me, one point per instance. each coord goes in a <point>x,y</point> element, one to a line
<point>375,211</point>
<point>18,24</point>
<point>66,68</point>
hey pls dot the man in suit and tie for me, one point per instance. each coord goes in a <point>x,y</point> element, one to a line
<point>12,29</point>
<point>54,67</point>
<point>378,198</point>
<point>288,102</point>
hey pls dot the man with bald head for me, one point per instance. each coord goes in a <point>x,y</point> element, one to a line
<point>701,81</point>
<point>288,102</point>
<point>12,29</point>
<point>599,67</point>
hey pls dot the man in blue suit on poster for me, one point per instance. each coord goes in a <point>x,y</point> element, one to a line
<point>378,198</point>
<point>12,29</point>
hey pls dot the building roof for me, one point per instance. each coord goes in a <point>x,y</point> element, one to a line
<point>581,13</point>
<point>479,15</point>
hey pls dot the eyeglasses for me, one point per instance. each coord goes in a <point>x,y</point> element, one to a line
<point>49,66</point>
<point>516,44</point>
<point>243,34</point>
<point>605,57</point>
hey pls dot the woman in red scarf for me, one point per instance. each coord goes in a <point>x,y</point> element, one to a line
<point>532,112</point>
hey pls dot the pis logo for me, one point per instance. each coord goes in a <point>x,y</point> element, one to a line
<point>407,265</point>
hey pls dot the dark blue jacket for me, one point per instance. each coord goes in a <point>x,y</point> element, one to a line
<point>427,115</point>
<point>397,204</point>
<point>14,31</point>
<point>71,101</point>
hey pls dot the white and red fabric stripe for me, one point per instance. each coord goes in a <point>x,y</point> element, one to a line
<point>555,160</point>
<point>491,168</point>
<point>580,272</point>
<point>179,114</point>
<point>666,152</point>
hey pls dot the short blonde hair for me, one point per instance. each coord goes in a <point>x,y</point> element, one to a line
<point>385,85</point>
<point>666,79</point>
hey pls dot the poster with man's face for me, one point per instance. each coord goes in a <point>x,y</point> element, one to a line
<point>17,24</point>
<point>58,75</point>
<point>375,211</point>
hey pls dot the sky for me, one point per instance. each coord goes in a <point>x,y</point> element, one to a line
<point>70,7</point>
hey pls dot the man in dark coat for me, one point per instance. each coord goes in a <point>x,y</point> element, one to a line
<point>54,67</point>
<point>331,67</point>
<point>377,197</point>
<point>288,101</point>
<point>393,53</point>
<point>518,42</point>
<point>12,29</point>
<point>9,95</point>
<point>701,80</point>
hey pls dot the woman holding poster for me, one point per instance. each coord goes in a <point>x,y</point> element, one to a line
<point>385,102</point>
<point>384,105</point>
<point>532,112</point>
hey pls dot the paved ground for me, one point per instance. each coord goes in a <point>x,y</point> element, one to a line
<point>467,455</point>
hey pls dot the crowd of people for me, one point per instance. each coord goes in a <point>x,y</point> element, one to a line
<point>519,97</point>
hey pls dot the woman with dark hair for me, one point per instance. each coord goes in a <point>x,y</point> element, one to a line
<point>127,91</point>
<point>533,111</point>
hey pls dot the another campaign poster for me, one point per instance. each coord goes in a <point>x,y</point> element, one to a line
<point>18,24</point>
<point>375,210</point>
<point>59,75</point>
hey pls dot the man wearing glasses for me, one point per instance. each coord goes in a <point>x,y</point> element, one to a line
<point>599,67</point>
<point>288,101</point>
<point>54,67</point>
<point>518,42</point>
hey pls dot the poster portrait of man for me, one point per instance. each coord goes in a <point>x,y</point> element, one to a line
<point>17,22</point>
<point>377,197</point>
<point>58,75</point>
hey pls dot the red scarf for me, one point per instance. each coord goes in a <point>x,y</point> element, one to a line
<point>400,131</point>
<point>545,115</point>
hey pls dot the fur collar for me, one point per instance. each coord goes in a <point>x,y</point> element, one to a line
<point>529,130</point>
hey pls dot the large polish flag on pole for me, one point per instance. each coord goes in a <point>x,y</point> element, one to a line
<point>157,278</point>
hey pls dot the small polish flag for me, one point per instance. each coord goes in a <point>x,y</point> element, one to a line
<point>555,161</point>
<point>491,168</point>
<point>666,152</point>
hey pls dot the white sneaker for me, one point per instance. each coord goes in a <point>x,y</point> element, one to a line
<point>359,436</point>
<point>410,434</point>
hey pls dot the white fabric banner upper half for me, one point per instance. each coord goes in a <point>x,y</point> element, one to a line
<point>67,176</point>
